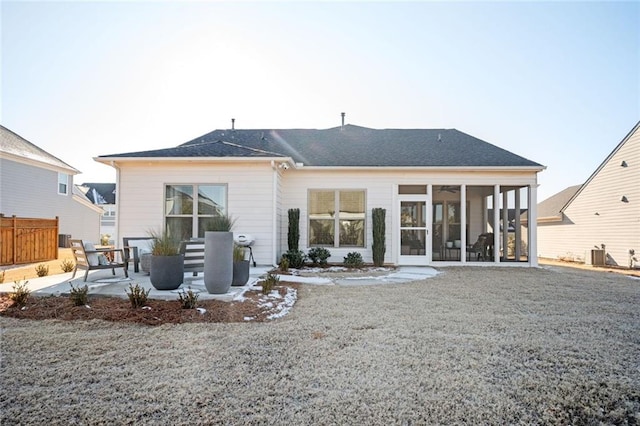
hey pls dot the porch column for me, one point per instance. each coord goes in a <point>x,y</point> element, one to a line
<point>505,225</point>
<point>496,223</point>
<point>463,223</point>
<point>518,235</point>
<point>532,215</point>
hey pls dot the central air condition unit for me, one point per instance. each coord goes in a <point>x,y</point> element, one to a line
<point>597,257</point>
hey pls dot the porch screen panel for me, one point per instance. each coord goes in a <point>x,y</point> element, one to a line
<point>322,209</point>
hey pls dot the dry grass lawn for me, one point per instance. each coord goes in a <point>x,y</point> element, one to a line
<point>472,345</point>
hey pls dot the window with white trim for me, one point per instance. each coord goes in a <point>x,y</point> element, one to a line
<point>63,184</point>
<point>190,207</point>
<point>337,218</point>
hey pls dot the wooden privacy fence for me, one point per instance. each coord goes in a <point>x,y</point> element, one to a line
<point>27,240</point>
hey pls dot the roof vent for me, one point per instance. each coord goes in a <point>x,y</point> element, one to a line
<point>439,137</point>
<point>233,124</point>
<point>342,126</point>
<point>624,163</point>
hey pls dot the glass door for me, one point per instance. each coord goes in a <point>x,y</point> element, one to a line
<point>413,232</point>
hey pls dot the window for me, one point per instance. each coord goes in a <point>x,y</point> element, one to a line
<point>63,184</point>
<point>337,218</point>
<point>189,208</point>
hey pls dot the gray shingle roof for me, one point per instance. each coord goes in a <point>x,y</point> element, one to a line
<point>101,193</point>
<point>349,146</point>
<point>12,143</point>
<point>552,206</point>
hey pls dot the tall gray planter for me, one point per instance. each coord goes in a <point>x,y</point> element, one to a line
<point>167,272</point>
<point>240,273</point>
<point>218,261</point>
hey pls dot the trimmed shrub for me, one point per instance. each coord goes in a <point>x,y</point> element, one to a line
<point>319,255</point>
<point>293,236</point>
<point>137,295</point>
<point>271,281</point>
<point>378,247</point>
<point>353,260</point>
<point>20,293</point>
<point>188,299</point>
<point>284,264</point>
<point>67,265</point>
<point>42,270</point>
<point>79,296</point>
<point>296,258</point>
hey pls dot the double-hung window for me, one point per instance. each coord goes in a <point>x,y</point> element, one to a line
<point>63,184</point>
<point>189,208</point>
<point>337,218</point>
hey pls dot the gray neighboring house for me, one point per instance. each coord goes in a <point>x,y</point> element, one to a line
<point>597,222</point>
<point>436,186</point>
<point>36,184</point>
<point>104,196</point>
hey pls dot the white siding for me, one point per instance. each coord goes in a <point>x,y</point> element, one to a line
<point>250,197</point>
<point>380,187</point>
<point>616,224</point>
<point>28,191</point>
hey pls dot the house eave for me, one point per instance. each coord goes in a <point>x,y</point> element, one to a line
<point>110,161</point>
<point>38,163</point>
<point>438,168</point>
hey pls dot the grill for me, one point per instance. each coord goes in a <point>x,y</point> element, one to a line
<point>245,240</point>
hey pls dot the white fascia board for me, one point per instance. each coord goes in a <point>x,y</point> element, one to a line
<point>111,161</point>
<point>39,164</point>
<point>435,168</point>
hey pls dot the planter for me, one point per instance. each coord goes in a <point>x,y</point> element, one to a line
<point>218,261</point>
<point>167,272</point>
<point>240,273</point>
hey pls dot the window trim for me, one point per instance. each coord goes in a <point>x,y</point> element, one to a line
<point>336,217</point>
<point>195,217</point>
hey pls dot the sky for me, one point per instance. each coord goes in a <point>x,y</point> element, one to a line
<point>555,82</point>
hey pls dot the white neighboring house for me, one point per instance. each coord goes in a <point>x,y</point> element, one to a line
<point>36,184</point>
<point>104,196</point>
<point>598,221</point>
<point>436,185</point>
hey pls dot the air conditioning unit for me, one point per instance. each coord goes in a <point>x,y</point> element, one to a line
<point>598,257</point>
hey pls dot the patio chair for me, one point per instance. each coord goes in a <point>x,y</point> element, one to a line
<point>481,247</point>
<point>89,258</point>
<point>134,248</point>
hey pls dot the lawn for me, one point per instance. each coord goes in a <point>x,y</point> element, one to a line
<point>471,345</point>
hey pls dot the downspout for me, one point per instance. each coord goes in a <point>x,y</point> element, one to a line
<point>117,236</point>
<point>274,213</point>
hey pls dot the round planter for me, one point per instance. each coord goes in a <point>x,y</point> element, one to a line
<point>167,272</point>
<point>240,273</point>
<point>218,261</point>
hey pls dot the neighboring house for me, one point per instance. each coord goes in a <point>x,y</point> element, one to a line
<point>335,177</point>
<point>104,196</point>
<point>36,184</point>
<point>602,213</point>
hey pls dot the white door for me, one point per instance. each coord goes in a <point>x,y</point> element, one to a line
<point>414,229</point>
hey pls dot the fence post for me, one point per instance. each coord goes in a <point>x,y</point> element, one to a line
<point>15,239</point>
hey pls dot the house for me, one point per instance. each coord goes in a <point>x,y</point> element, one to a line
<point>335,177</point>
<point>104,196</point>
<point>36,184</point>
<point>598,221</point>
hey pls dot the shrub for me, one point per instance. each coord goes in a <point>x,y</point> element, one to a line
<point>293,236</point>
<point>378,246</point>
<point>238,253</point>
<point>79,295</point>
<point>353,260</point>
<point>296,258</point>
<point>20,293</point>
<point>271,281</point>
<point>137,295</point>
<point>284,264</point>
<point>188,299</point>
<point>319,255</point>
<point>42,270</point>
<point>67,265</point>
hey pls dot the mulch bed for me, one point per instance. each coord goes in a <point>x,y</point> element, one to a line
<point>117,309</point>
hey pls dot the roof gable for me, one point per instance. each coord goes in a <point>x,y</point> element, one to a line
<point>13,144</point>
<point>622,143</point>
<point>349,146</point>
<point>552,207</point>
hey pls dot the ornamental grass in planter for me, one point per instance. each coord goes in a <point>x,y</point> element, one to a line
<point>167,264</point>
<point>240,266</point>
